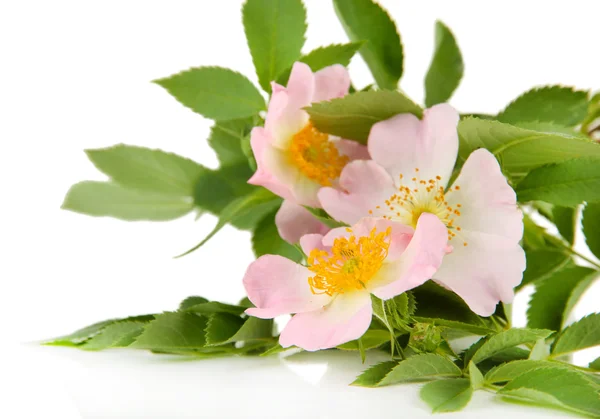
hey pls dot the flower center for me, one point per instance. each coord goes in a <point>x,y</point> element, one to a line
<point>418,196</point>
<point>315,156</point>
<point>351,263</point>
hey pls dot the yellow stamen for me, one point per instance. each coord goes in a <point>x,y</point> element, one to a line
<point>315,156</point>
<point>350,265</point>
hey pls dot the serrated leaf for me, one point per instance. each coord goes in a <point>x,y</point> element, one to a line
<point>566,184</point>
<point>520,150</point>
<point>275,33</point>
<point>595,364</point>
<point>539,351</point>
<point>576,294</point>
<point>511,370</point>
<point>419,368</point>
<point>447,395</point>
<point>542,264</point>
<point>557,387</point>
<point>507,339</point>
<point>454,326</point>
<point>237,208</point>
<point>548,303</point>
<point>192,301</point>
<point>591,227</point>
<point>352,116</point>
<point>580,335</point>
<point>80,336</point>
<point>172,331</point>
<point>266,240</point>
<point>533,235</point>
<point>475,376</point>
<point>435,302</point>
<point>371,339</point>
<point>105,199</point>
<point>226,139</point>
<point>548,127</point>
<point>221,327</point>
<point>253,329</point>
<point>374,374</point>
<point>211,307</point>
<point>446,68</point>
<point>114,336</point>
<point>323,57</point>
<point>560,105</point>
<point>565,219</point>
<point>215,92</point>
<point>365,20</point>
<point>147,169</point>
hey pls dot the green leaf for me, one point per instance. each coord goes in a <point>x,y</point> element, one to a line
<point>215,92</point>
<point>192,301</point>
<point>560,105</point>
<point>591,227</point>
<point>221,327</point>
<point>237,208</point>
<point>421,367</point>
<point>558,387</point>
<point>172,331</point>
<point>447,395</point>
<point>253,329</point>
<point>565,219</point>
<point>323,57</point>
<point>211,307</point>
<point>595,364</point>
<point>352,116</point>
<point>539,351</point>
<point>373,375</point>
<point>533,235</point>
<point>275,33</point>
<point>226,139</point>
<point>80,336</point>
<point>446,68</point>
<point>580,335</point>
<point>323,217</point>
<point>567,184</point>
<point>548,303</point>
<point>104,199</point>
<point>365,20</point>
<point>511,370</point>
<point>372,338</point>
<point>520,150</point>
<point>266,240</point>
<point>114,336</point>
<point>542,264</point>
<point>475,376</point>
<point>147,169</point>
<point>576,294</point>
<point>453,327</point>
<point>508,339</point>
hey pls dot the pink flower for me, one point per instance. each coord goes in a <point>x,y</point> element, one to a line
<point>294,159</point>
<point>294,221</point>
<point>331,296</point>
<point>412,163</point>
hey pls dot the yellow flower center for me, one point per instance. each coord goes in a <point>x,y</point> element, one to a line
<point>350,264</point>
<point>315,156</point>
<point>421,196</point>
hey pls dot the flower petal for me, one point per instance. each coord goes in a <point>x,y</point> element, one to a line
<point>347,318</point>
<point>294,221</point>
<point>402,144</point>
<point>309,242</point>
<point>276,286</point>
<point>417,264</point>
<point>352,149</point>
<point>331,82</point>
<point>364,184</point>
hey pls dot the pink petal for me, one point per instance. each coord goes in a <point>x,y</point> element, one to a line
<point>312,241</point>
<point>276,286</point>
<point>294,221</point>
<point>347,318</point>
<point>364,184</point>
<point>352,149</point>
<point>403,143</point>
<point>331,82</point>
<point>417,264</point>
<point>492,264</point>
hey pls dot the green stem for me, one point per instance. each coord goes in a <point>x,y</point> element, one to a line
<point>572,251</point>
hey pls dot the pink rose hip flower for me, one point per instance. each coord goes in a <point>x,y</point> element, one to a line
<point>408,177</point>
<point>331,296</point>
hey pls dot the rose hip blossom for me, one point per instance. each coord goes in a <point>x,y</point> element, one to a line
<point>412,164</point>
<point>331,296</point>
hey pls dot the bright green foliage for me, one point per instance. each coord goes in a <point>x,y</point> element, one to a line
<point>565,219</point>
<point>373,375</point>
<point>352,116</point>
<point>365,20</point>
<point>372,338</point>
<point>192,301</point>
<point>115,335</point>
<point>253,329</point>
<point>211,307</point>
<point>507,339</point>
<point>421,367</point>
<point>173,331</point>
<point>591,227</point>
<point>567,184</point>
<point>447,395</point>
<point>446,68</point>
<point>557,104</point>
<point>475,376</point>
<point>105,199</point>
<point>542,264</point>
<point>548,303</point>
<point>580,335</point>
<point>595,364</point>
<point>511,370</point>
<point>439,303</point>
<point>221,327</point>
<point>226,139</point>
<point>80,336</point>
<point>215,92</point>
<point>558,387</point>
<point>521,150</point>
<point>266,240</point>
<point>275,33</point>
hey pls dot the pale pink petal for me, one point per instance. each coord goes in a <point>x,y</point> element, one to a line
<point>418,263</point>
<point>352,149</point>
<point>263,176</point>
<point>403,144</point>
<point>276,286</point>
<point>347,318</point>
<point>309,242</point>
<point>294,221</point>
<point>331,82</point>
<point>364,185</point>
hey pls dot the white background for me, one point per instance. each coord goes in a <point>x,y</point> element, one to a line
<point>76,75</point>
